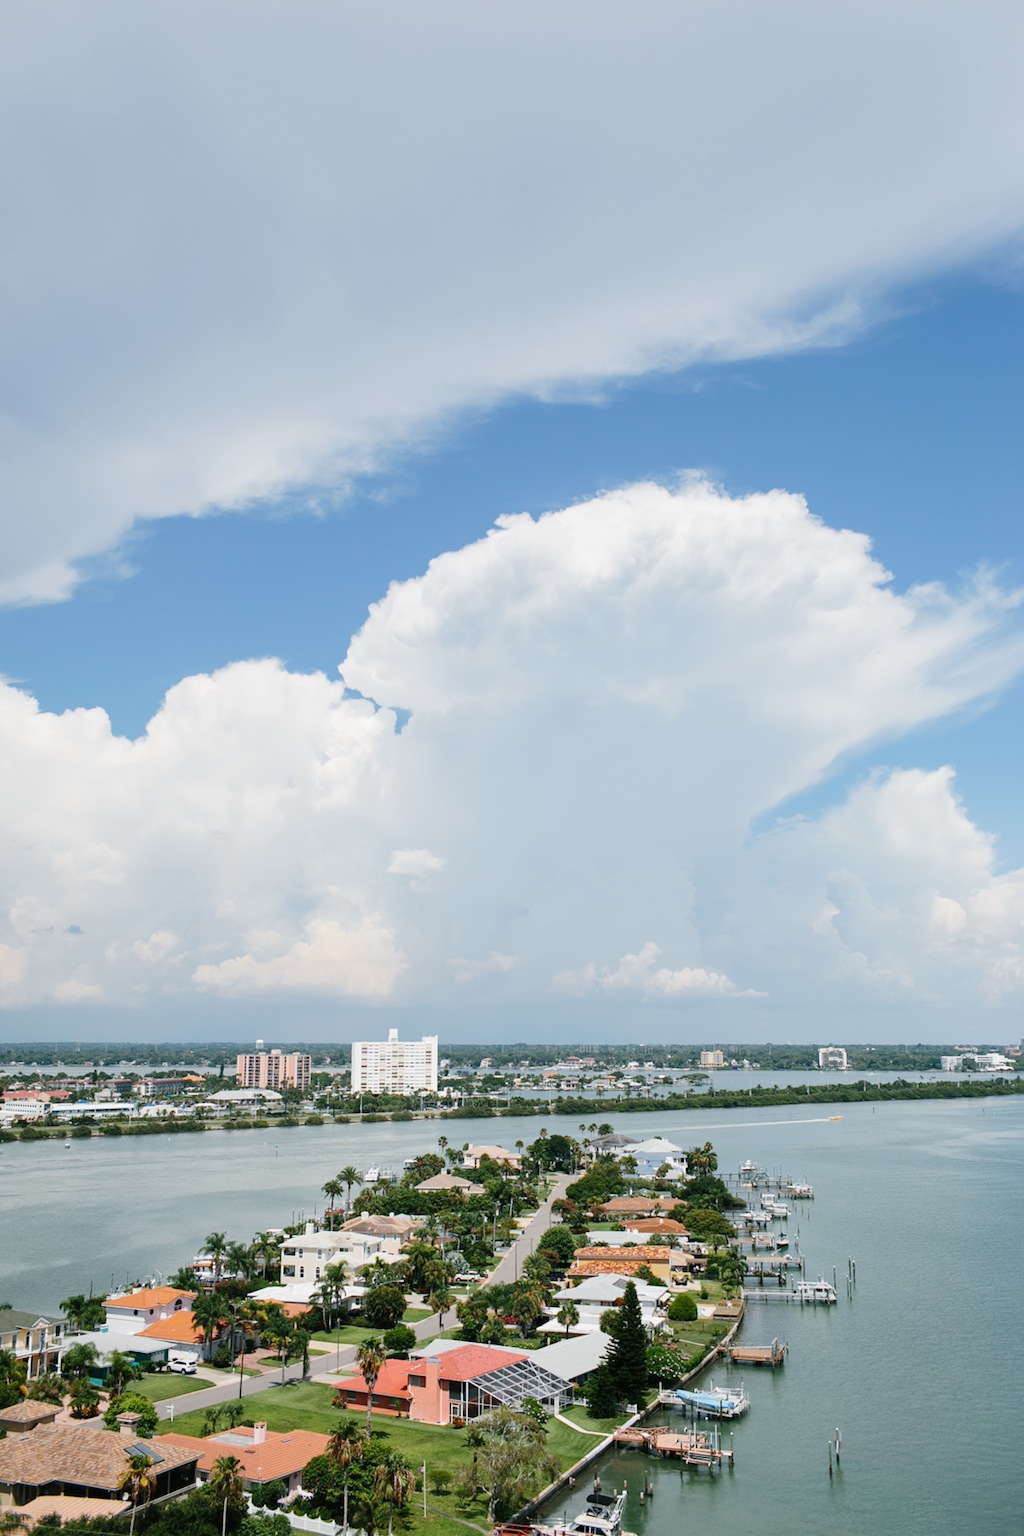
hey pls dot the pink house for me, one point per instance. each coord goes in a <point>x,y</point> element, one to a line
<point>462,1383</point>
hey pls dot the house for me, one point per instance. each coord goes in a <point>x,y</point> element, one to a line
<point>267,1456</point>
<point>26,1415</point>
<point>307,1256</point>
<point>613,1143</point>
<point>654,1154</point>
<point>609,1259</point>
<point>177,1331</point>
<point>574,1358</point>
<point>473,1156</point>
<point>402,1228</point>
<point>34,1338</point>
<point>654,1225</point>
<point>595,1294</point>
<point>445,1182</point>
<point>638,1205</point>
<point>457,1384</point>
<point>81,1462</point>
<point>135,1311</point>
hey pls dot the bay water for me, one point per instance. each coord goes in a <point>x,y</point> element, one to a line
<point>922,1371</point>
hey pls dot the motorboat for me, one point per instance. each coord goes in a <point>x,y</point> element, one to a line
<point>602,1516</point>
<point>713,1402</point>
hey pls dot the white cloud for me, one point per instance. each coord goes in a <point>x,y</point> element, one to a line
<point>331,226</point>
<point>603,702</point>
<point>641,974</point>
<point>489,965</point>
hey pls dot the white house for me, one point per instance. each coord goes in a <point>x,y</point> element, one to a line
<point>655,1153</point>
<point>307,1256</point>
<point>599,1292</point>
<point>134,1311</point>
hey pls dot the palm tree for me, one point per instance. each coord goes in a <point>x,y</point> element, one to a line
<point>568,1315</point>
<point>347,1445</point>
<point>216,1246</point>
<point>349,1176</point>
<point>440,1299</point>
<point>227,1483</point>
<point>332,1189</point>
<point>265,1249</point>
<point>138,1482</point>
<point>393,1480</point>
<point>208,1313</point>
<point>370,1358</point>
<point>238,1258</point>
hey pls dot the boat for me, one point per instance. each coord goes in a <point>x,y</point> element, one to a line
<point>821,1291</point>
<point>715,1402</point>
<point>799,1191</point>
<point>601,1517</point>
<point>371,1175</point>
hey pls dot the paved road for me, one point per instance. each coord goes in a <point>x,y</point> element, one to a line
<point>327,1367</point>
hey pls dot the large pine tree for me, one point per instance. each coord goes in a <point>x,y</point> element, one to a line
<point>627,1357</point>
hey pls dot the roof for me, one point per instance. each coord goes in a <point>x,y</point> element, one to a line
<point>656,1144</point>
<point>66,1507</point>
<point>11,1319</point>
<point>496,1154</point>
<point>278,1455</point>
<point>383,1226</point>
<point>441,1181</point>
<point>180,1328</point>
<point>435,1348</point>
<point>591,1267</point>
<point>645,1253</point>
<point>393,1380</point>
<point>657,1224</point>
<point>29,1412</point>
<point>158,1296</point>
<point>71,1453</point>
<point>574,1357</point>
<point>631,1205</point>
<point>474,1360</point>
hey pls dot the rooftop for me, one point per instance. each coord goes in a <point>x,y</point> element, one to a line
<point>72,1453</point>
<point>158,1296</point>
<point>277,1455</point>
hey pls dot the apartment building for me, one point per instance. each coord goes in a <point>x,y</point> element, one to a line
<point>712,1059</point>
<point>395,1066</point>
<point>832,1058</point>
<point>273,1069</point>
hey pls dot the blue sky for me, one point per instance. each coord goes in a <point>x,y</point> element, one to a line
<point>225,464</point>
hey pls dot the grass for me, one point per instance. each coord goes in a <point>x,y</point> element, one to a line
<point>579,1415</point>
<point>156,1388</point>
<point>358,1333</point>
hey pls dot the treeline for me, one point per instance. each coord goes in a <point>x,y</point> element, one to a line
<point>858,1092</point>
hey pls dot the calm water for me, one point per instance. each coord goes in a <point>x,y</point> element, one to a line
<point>923,1371</point>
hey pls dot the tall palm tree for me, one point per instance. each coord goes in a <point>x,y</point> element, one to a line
<point>568,1315</point>
<point>332,1189</point>
<point>393,1481</point>
<point>370,1358</point>
<point>227,1483</point>
<point>238,1259</point>
<point>138,1482</point>
<point>440,1299</point>
<point>349,1176</point>
<point>209,1315</point>
<point>266,1249</point>
<point>216,1246</point>
<point>347,1445</point>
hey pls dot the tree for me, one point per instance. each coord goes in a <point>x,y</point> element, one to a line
<point>704,1224</point>
<point>702,1159</point>
<point>440,1299</point>
<point>627,1357</point>
<point>393,1481</point>
<point>609,1322</point>
<point>132,1402</point>
<point>347,1446</point>
<point>370,1358</point>
<point>121,1369</point>
<point>682,1309</point>
<point>384,1306</point>
<point>47,1388</point>
<point>138,1482</point>
<point>226,1483</point>
<point>399,1340</point>
<point>349,1176</point>
<point>332,1188</point>
<point>512,1461</point>
<point>78,1362</point>
<point>665,1363</point>
<point>558,1245</point>
<point>84,1398</point>
<point>600,1395</point>
<point>210,1315</point>
<point>216,1246</point>
<point>84,1312</point>
<point>568,1315</point>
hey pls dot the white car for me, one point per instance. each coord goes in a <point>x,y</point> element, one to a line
<point>182,1365</point>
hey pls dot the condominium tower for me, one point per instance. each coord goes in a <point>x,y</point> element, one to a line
<point>272,1069</point>
<point>394,1066</point>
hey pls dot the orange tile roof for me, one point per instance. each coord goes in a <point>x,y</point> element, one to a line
<point>598,1267</point>
<point>393,1380</point>
<point>644,1254</point>
<point>474,1360</point>
<point>158,1296</point>
<point>279,1455</point>
<point>655,1224</point>
<point>180,1328</point>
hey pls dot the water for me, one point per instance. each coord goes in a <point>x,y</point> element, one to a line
<point>923,1371</point>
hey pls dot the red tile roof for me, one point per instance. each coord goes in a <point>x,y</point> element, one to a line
<point>474,1360</point>
<point>179,1328</point>
<point>159,1296</point>
<point>279,1455</point>
<point>393,1380</point>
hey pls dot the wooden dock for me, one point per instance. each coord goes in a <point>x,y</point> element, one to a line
<point>773,1354</point>
<point>694,1449</point>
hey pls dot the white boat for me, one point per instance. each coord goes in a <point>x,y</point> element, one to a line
<point>601,1517</point>
<point>821,1291</point>
<point>799,1191</point>
<point>371,1175</point>
<point>713,1402</point>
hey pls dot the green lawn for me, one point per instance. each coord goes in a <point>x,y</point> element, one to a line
<point>156,1388</point>
<point>358,1333</point>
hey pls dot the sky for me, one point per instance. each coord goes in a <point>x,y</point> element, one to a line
<point>511,521</point>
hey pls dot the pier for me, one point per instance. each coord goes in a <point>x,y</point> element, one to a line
<point>696,1449</point>
<point>773,1354</point>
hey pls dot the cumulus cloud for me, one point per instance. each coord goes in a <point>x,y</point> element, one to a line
<point>332,226</point>
<point>602,703</point>
<point>640,973</point>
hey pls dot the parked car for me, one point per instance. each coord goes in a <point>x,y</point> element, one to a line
<point>182,1365</point>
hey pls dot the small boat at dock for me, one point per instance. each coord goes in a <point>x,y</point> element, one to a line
<point>714,1402</point>
<point>601,1517</point>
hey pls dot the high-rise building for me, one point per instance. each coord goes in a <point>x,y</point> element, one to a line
<point>712,1059</point>
<point>394,1066</point>
<point>272,1069</point>
<point>832,1058</point>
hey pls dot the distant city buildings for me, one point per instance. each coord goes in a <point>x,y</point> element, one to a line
<point>712,1059</point>
<point>832,1058</point>
<point>272,1069</point>
<point>395,1066</point>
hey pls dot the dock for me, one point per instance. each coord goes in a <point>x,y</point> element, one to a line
<point>695,1449</point>
<point>773,1354</point>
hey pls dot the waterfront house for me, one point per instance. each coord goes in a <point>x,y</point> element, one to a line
<point>654,1154</point>
<point>307,1256</point>
<point>267,1456</point>
<point>608,1259</point>
<point>33,1338</point>
<point>444,1183</point>
<point>575,1358</point>
<point>402,1228</point>
<point>595,1294</point>
<point>637,1205</point>
<point>472,1157</point>
<point>135,1311</point>
<point>460,1383</point>
<point>79,1461</point>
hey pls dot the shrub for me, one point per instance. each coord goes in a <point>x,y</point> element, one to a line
<point>440,1480</point>
<point>682,1309</point>
<point>399,1340</point>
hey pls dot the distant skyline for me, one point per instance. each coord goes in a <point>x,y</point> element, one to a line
<point>548,574</point>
